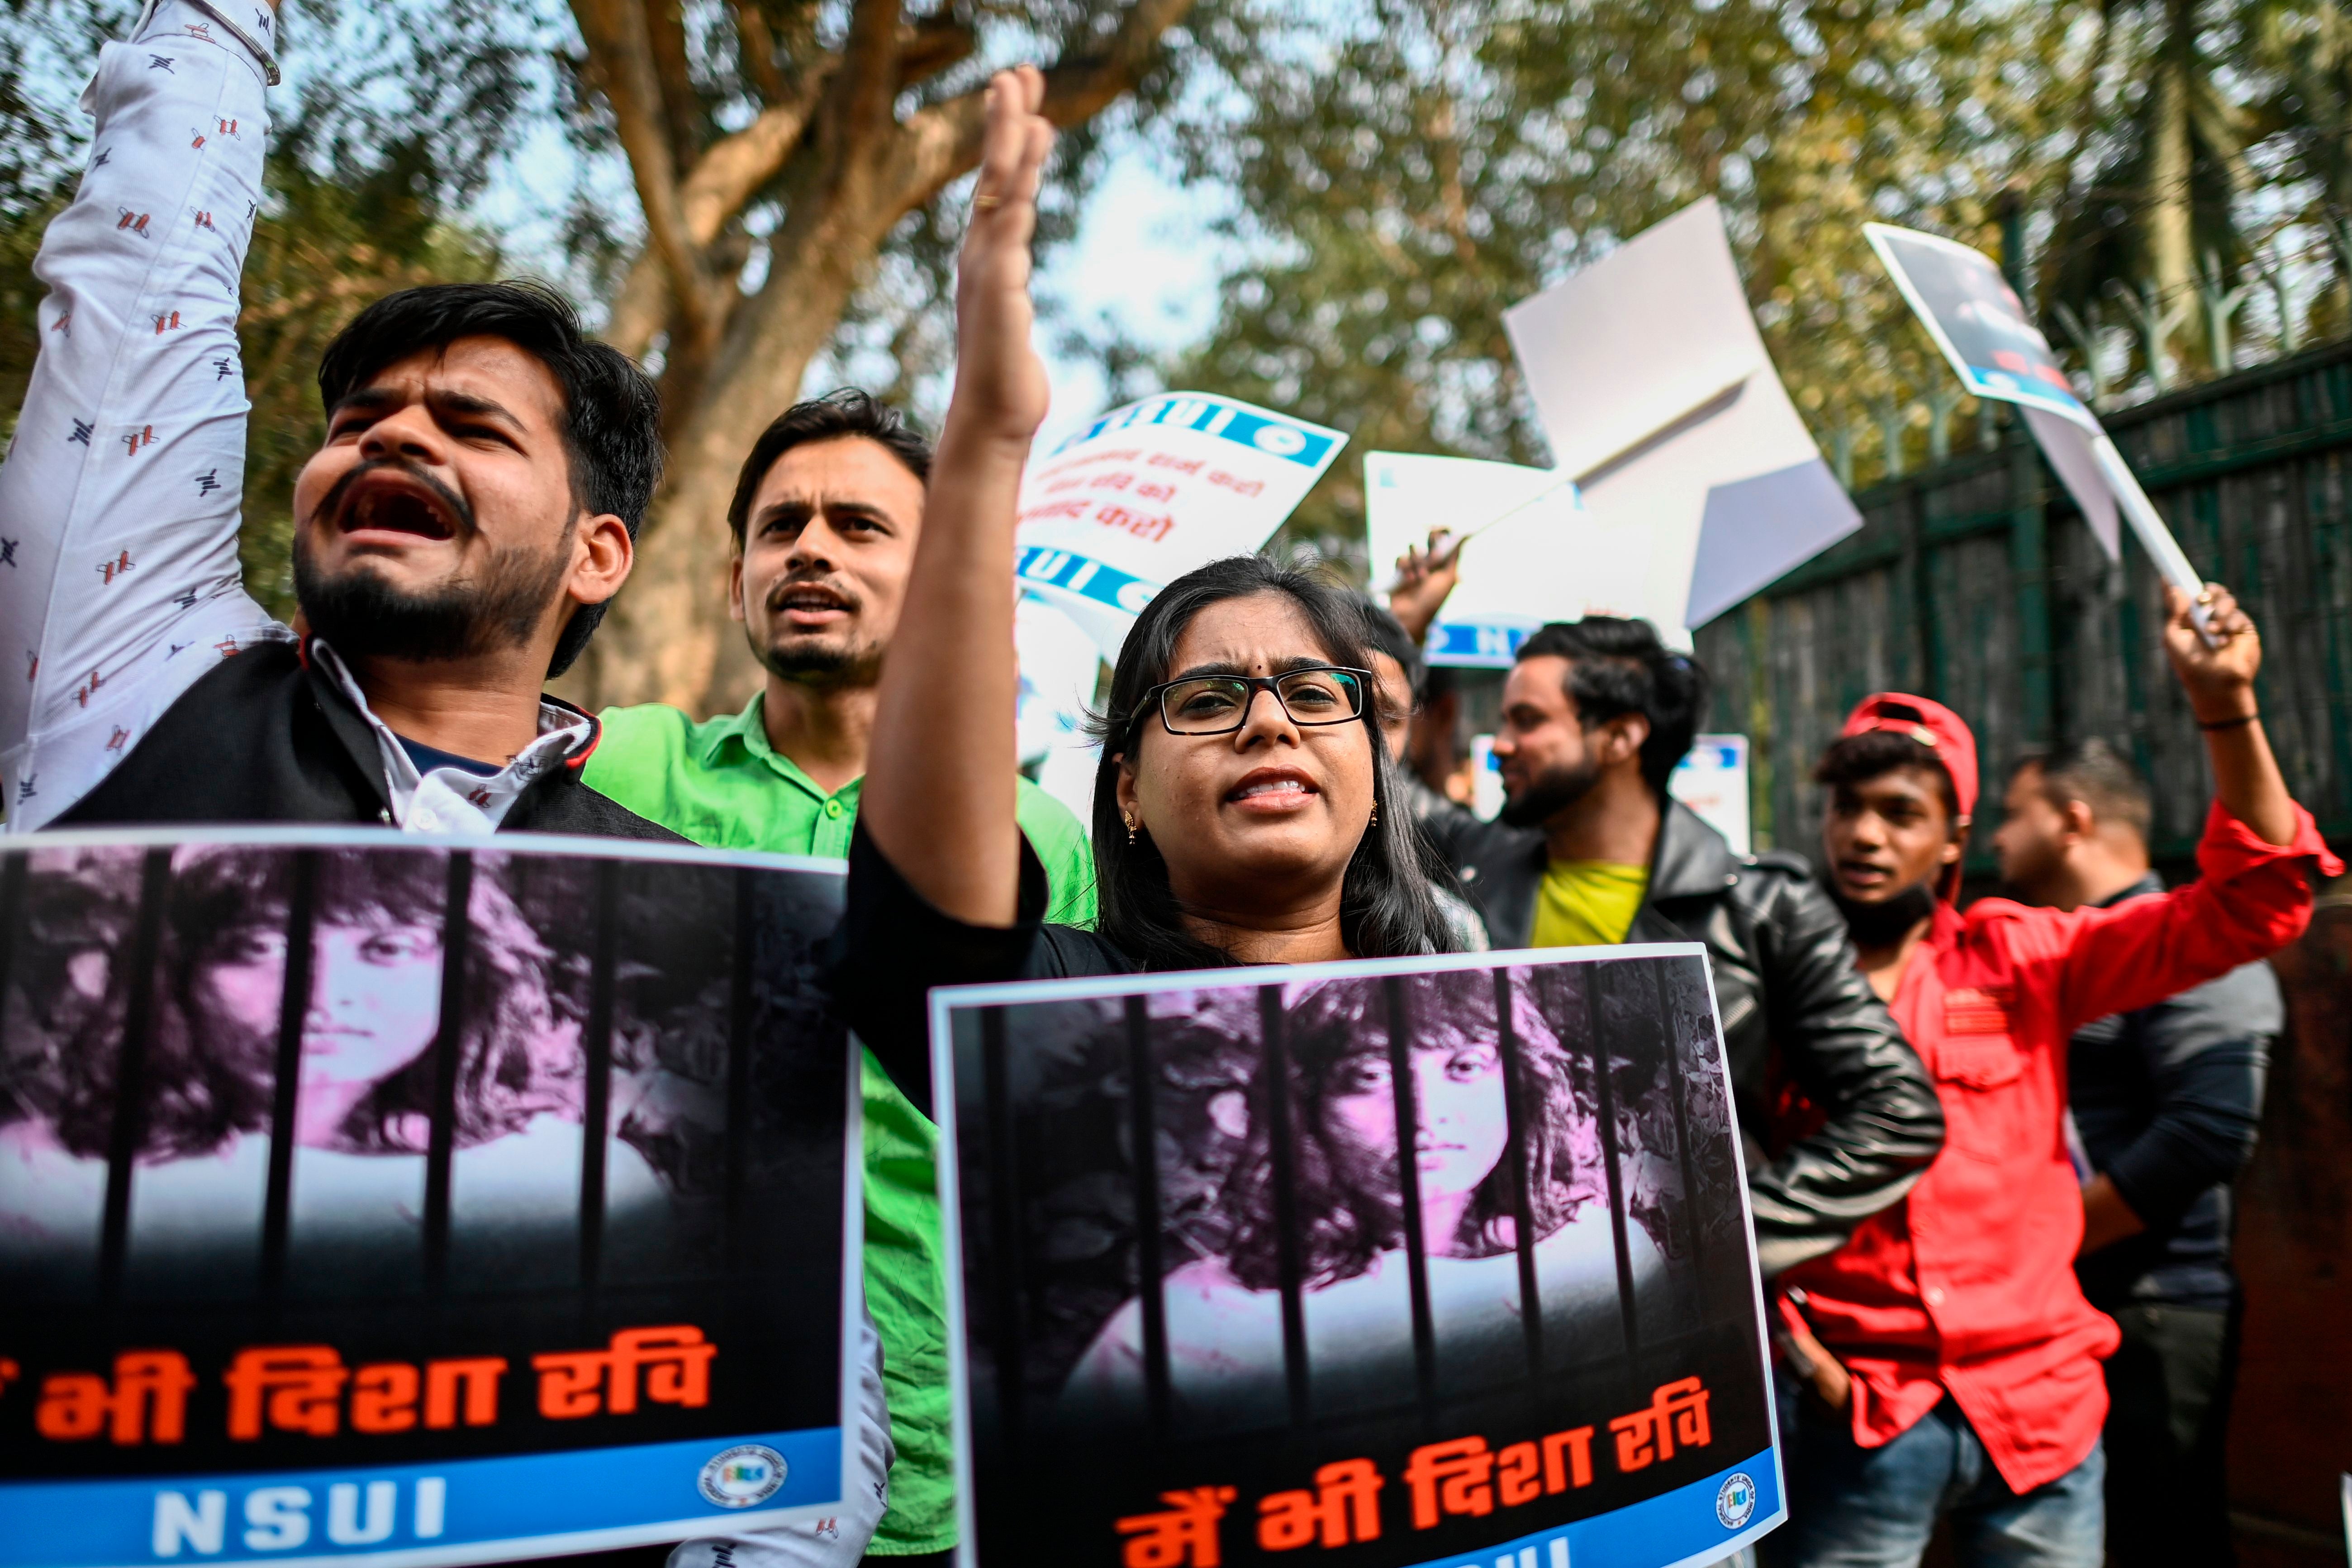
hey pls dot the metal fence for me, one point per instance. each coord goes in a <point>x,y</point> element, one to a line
<point>1976,583</point>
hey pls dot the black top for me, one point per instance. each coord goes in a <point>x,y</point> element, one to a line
<point>2167,1100</point>
<point>1795,1010</point>
<point>893,946</point>
<point>268,737</point>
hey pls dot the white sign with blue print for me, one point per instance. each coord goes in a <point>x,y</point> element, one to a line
<point>1136,498</point>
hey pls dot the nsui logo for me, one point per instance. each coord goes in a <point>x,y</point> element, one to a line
<point>742,1476</point>
<point>1735,1501</point>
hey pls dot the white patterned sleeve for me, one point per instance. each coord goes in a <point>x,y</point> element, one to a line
<point>119,498</point>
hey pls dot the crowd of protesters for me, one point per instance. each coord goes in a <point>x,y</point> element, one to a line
<point>1990,1311</point>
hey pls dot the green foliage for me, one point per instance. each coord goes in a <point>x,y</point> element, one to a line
<point>1410,168</point>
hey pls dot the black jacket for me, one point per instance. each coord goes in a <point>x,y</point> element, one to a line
<point>1786,987</point>
<point>268,737</point>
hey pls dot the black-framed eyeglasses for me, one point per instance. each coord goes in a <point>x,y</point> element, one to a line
<point>1220,704</point>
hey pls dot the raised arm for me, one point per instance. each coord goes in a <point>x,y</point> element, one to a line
<point>939,796</point>
<point>119,502</point>
<point>2255,894</point>
<point>1424,579</point>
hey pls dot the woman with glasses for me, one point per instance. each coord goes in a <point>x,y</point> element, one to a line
<point>1245,809</point>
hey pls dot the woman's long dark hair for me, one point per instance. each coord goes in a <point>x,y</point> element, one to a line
<point>1387,908</point>
<point>1347,1201</point>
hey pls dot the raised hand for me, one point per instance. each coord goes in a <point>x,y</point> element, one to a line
<point>2218,673</point>
<point>1424,579</point>
<point>1000,388</point>
<point>2219,676</point>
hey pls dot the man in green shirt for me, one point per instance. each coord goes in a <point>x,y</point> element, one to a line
<point>825,516</point>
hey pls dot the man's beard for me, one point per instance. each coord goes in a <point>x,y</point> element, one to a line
<point>808,661</point>
<point>1889,921</point>
<point>1550,793</point>
<point>362,616</point>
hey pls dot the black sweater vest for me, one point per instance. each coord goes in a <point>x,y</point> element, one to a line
<point>265,738</point>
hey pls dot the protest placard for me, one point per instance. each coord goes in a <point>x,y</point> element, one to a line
<point>1659,399</point>
<point>1980,324</point>
<point>369,1196</point>
<point>1712,780</point>
<point>1142,495</point>
<point>1531,554</point>
<point>1059,668</point>
<point>1202,1314</point>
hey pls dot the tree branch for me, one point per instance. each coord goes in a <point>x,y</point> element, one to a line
<point>725,177</point>
<point>681,105</point>
<point>755,49</point>
<point>621,51</point>
<point>931,46</point>
<point>943,141</point>
<point>868,77</point>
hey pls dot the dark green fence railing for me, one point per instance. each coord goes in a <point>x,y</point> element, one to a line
<point>1976,583</point>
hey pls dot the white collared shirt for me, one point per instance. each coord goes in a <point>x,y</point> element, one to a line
<point>457,800</point>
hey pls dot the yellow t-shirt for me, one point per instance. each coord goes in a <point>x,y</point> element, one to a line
<point>1587,903</point>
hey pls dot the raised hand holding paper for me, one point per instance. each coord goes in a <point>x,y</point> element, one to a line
<point>1150,491</point>
<point>1978,323</point>
<point>1654,388</point>
<point>1528,555</point>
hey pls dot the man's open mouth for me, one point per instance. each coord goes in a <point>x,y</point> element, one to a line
<point>811,599</point>
<point>390,506</point>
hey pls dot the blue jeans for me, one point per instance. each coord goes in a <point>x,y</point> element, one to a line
<point>1851,1507</point>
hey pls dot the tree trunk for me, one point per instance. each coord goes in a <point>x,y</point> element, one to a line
<point>855,169</point>
<point>2170,236</point>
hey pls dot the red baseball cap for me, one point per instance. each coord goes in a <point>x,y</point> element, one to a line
<point>1931,724</point>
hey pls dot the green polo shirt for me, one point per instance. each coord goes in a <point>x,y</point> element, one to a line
<point>720,783</point>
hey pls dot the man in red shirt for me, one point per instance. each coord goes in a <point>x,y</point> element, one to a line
<point>1944,1361</point>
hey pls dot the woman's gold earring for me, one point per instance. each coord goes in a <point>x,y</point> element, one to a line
<point>1130,830</point>
<point>1375,822</point>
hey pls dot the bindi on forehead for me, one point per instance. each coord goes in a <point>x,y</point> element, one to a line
<point>1258,635</point>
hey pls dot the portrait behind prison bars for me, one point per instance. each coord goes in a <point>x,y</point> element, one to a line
<point>403,1106</point>
<point>1246,1230</point>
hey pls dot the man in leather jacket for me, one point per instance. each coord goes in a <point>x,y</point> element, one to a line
<point>1589,848</point>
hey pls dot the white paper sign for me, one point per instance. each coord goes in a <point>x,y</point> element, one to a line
<point>1059,666</point>
<point>1659,399</point>
<point>1712,780</point>
<point>1148,492</point>
<point>1542,561</point>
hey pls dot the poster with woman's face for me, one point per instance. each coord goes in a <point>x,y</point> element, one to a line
<point>1410,1262</point>
<point>368,1196</point>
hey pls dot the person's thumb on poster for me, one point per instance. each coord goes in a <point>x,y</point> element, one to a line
<point>1809,1359</point>
<point>1000,381</point>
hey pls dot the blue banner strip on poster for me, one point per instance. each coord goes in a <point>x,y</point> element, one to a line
<point>1702,1523</point>
<point>1475,644</point>
<point>585,1497</point>
<point>2007,388</point>
<point>1232,422</point>
<point>1039,566</point>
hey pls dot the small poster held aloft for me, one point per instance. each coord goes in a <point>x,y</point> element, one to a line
<point>369,1196</point>
<point>1142,495</point>
<point>1203,1315</point>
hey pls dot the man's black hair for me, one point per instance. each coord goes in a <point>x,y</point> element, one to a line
<point>1387,634</point>
<point>1618,666</point>
<point>2097,774</point>
<point>844,412</point>
<point>1858,759</point>
<point>612,429</point>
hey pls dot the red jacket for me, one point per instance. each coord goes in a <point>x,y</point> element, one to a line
<point>1967,1287</point>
